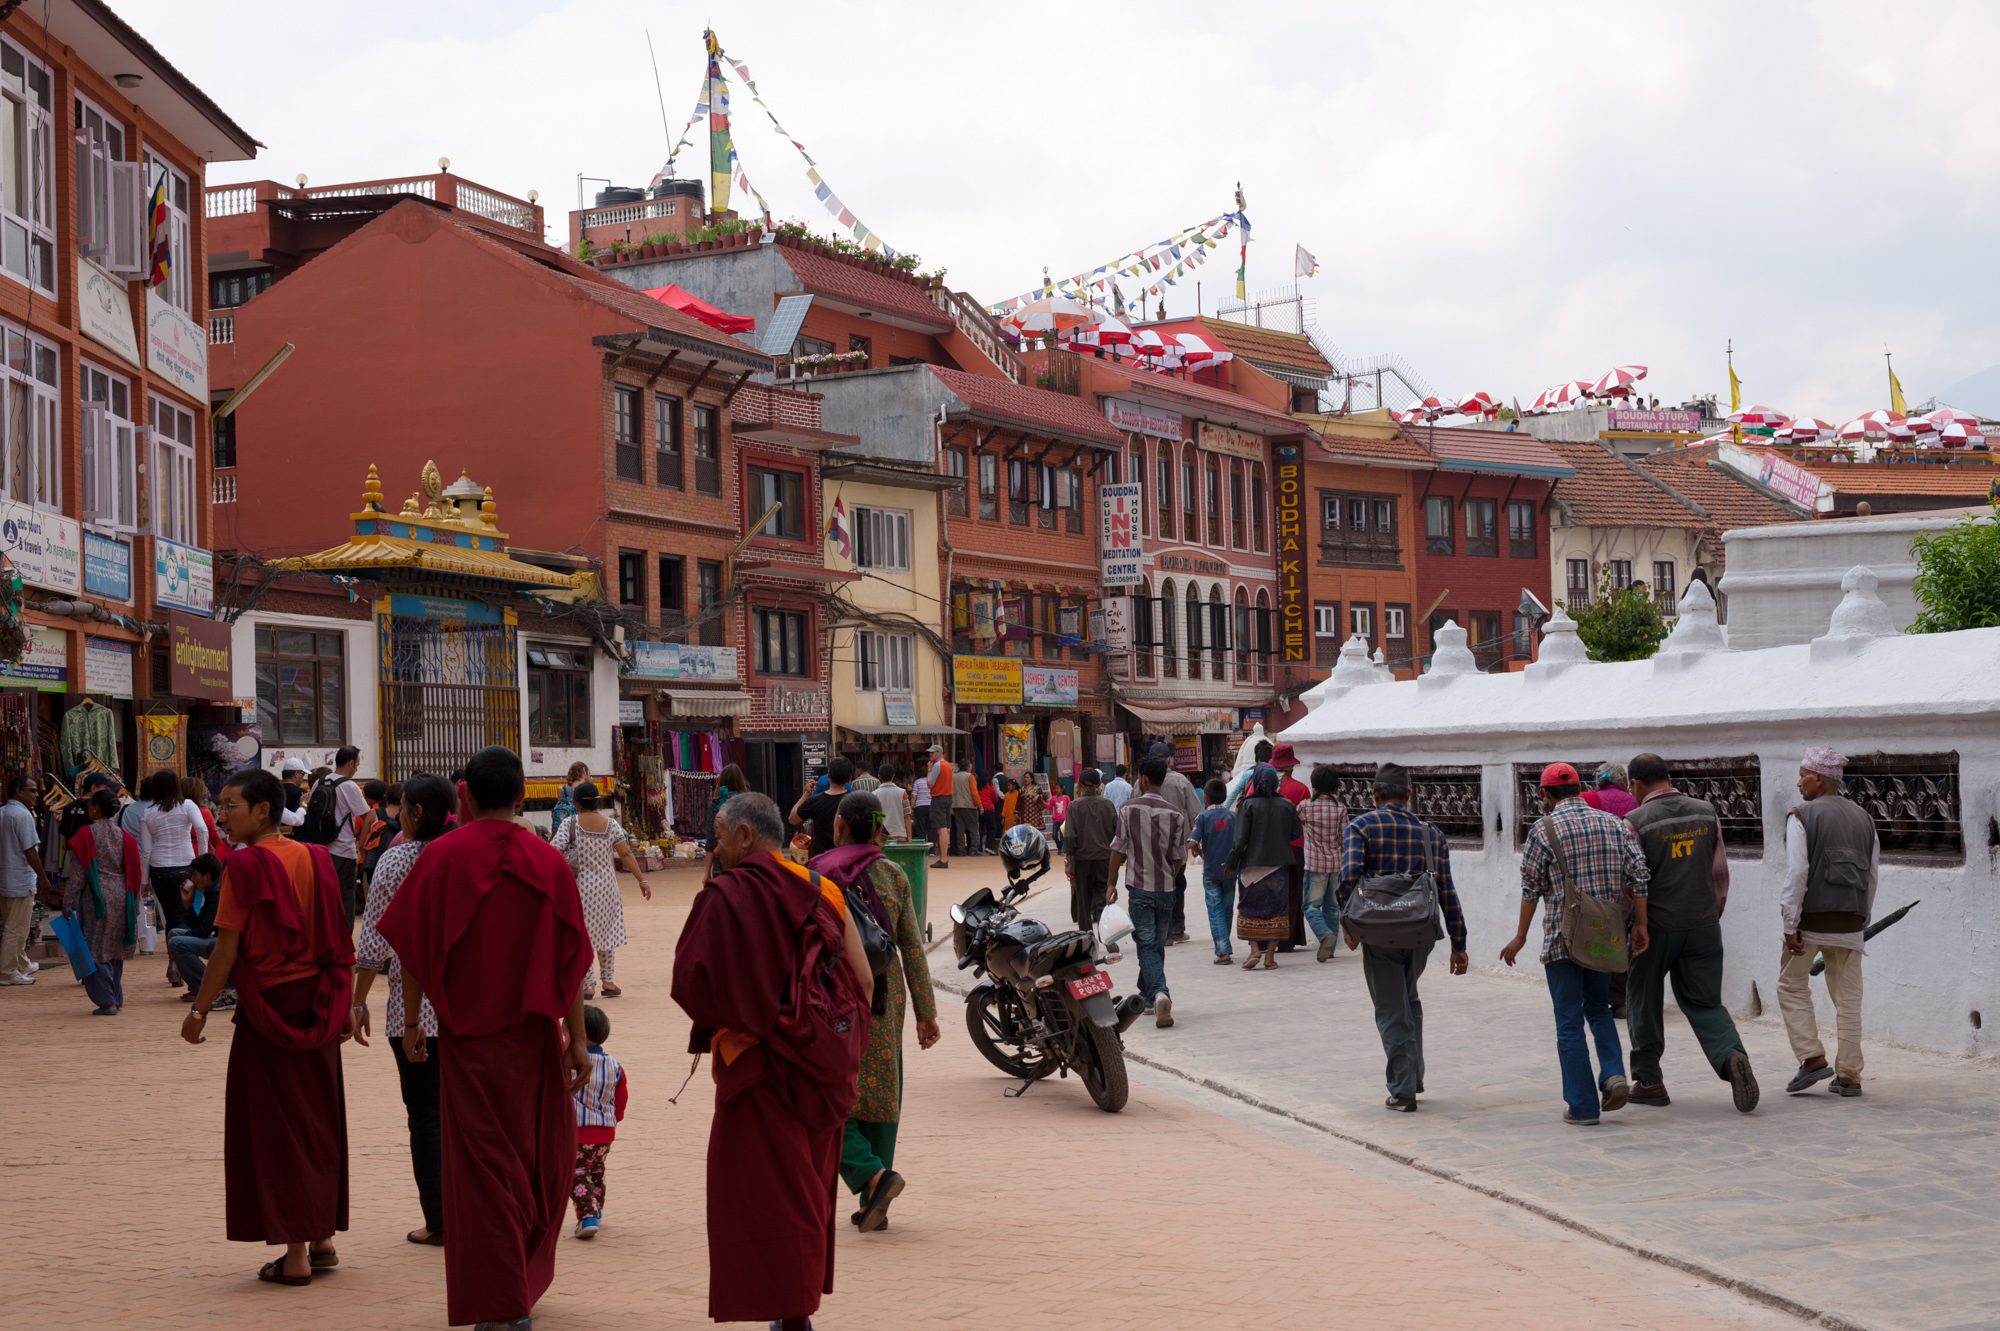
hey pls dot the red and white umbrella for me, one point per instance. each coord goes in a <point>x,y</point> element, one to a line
<point>1770,416</point>
<point>1960,435</point>
<point>1197,352</point>
<point>1569,394</point>
<point>1725,437</point>
<point>1543,400</point>
<point>1806,429</point>
<point>1479,404</point>
<point>1411,415</point>
<point>1050,314</point>
<point>1108,331</point>
<point>1943,416</point>
<point>1873,425</point>
<point>1618,380</point>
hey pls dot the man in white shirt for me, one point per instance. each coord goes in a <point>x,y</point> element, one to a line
<point>1832,861</point>
<point>895,812</point>
<point>21,876</point>
<point>349,803</point>
<point>1118,789</point>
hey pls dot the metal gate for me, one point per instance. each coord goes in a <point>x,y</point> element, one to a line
<point>450,683</point>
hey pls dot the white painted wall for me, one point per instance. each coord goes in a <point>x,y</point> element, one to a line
<point>362,699</point>
<point>1938,693</point>
<point>544,760</point>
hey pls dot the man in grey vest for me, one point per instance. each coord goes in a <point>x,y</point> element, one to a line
<point>1682,840</point>
<point>1831,859</point>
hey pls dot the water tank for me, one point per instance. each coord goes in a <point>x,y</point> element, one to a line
<point>619,194</point>
<point>679,189</point>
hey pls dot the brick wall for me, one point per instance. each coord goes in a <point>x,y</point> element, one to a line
<point>1480,583</point>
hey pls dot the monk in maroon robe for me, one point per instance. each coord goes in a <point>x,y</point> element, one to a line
<point>489,927</point>
<point>774,1144</point>
<point>282,942</point>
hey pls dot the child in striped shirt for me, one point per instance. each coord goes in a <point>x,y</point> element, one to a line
<point>600,1104</point>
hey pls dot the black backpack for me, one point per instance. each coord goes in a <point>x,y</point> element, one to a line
<point>322,824</point>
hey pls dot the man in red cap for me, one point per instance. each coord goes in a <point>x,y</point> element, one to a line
<point>1578,847</point>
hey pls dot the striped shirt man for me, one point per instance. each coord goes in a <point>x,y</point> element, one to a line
<point>1152,836</point>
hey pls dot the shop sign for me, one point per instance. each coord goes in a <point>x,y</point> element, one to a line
<point>1252,715</point>
<point>790,700</point>
<point>107,566</point>
<point>1652,422</point>
<point>680,660</point>
<point>1235,443</point>
<point>184,578</point>
<point>107,668</point>
<point>1789,479</point>
<point>986,680</point>
<point>1119,543</point>
<point>1117,624</point>
<point>43,665</point>
<point>45,548</point>
<point>176,346</point>
<point>1043,687</point>
<point>899,707</point>
<point>1126,414</point>
<point>1217,720</point>
<point>1187,753</point>
<point>104,311</point>
<point>813,755</point>
<point>1288,501</point>
<point>198,660</point>
<point>1184,563</point>
<point>632,711</point>
<point>444,609</point>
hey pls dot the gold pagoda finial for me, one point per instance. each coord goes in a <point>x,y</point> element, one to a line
<point>371,492</point>
<point>489,512</point>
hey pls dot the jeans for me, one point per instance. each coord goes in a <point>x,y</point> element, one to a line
<point>1221,894</point>
<point>189,956</point>
<point>1392,974</point>
<point>1692,959</point>
<point>1180,901</point>
<point>1322,903</point>
<point>1584,997</point>
<point>420,1108</point>
<point>106,985</point>
<point>1152,924</point>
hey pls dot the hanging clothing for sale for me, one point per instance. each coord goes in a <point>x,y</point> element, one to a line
<point>89,730</point>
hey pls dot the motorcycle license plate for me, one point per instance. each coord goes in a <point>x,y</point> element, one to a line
<point>1097,982</point>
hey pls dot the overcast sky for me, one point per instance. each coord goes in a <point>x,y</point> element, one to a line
<point>1505,195</point>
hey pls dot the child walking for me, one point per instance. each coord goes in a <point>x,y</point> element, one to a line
<point>600,1104</point>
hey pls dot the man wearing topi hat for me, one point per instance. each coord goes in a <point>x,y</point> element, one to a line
<point>1831,858</point>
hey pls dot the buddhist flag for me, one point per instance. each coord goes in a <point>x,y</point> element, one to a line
<point>1303,263</point>
<point>158,243</point>
<point>836,529</point>
<point>1735,392</point>
<point>1896,403</point>
<point>1243,253</point>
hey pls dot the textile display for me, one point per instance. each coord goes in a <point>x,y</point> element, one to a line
<point>89,730</point>
<point>693,796</point>
<point>163,741</point>
<point>1017,745</point>
<point>17,731</point>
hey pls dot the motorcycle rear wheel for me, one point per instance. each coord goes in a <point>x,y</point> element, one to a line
<point>993,1021</point>
<point>1103,1068</point>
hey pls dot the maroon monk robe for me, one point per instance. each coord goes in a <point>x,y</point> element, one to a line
<point>491,925</point>
<point>284,1118</point>
<point>774,1143</point>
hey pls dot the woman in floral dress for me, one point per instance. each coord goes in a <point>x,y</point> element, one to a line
<point>594,844</point>
<point>868,1148</point>
<point>101,890</point>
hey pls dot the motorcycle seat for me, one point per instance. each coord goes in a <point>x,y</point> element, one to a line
<point>1060,950</point>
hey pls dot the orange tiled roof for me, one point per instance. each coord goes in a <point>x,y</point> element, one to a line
<point>1397,452</point>
<point>1608,491</point>
<point>1036,409</point>
<point>853,283</point>
<point>1498,452</point>
<point>1728,498</point>
<point>1293,351</point>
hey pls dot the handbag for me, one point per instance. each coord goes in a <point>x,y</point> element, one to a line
<point>1398,910</point>
<point>1593,929</point>
<point>69,932</point>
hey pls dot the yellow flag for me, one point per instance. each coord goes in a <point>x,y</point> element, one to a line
<point>1735,392</point>
<point>1896,403</point>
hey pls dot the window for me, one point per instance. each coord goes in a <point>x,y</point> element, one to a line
<point>1215,503</point>
<point>559,695</point>
<point>956,502</point>
<point>1144,635</point>
<point>1217,635</point>
<point>1256,507</point>
<point>1246,637</point>
<point>1069,498</point>
<point>1045,479</point>
<point>1326,633</point>
<point>222,434</point>
<point>1262,610</point>
<point>238,286</point>
<point>856,342</point>
<point>778,641</point>
<point>1361,622</point>
<point>110,210</point>
<point>1664,594</point>
<point>786,489</point>
<point>884,661</point>
<point>811,346</point>
<point>1396,623</point>
<point>178,289</point>
<point>708,600</point>
<point>301,686</point>
<point>110,450</point>
<point>989,487</point>
<point>625,413</point>
<point>1576,579</point>
<point>175,502</point>
<point>1481,537</point>
<point>1190,516</point>
<point>632,577</point>
<point>882,539</point>
<point>1437,525</point>
<point>1166,490</point>
<point>707,452</point>
<point>1621,574</point>
<point>1358,529</point>
<point>1520,529</point>
<point>1488,645</point>
<point>1170,663</point>
<point>1197,633</point>
<point>1017,491</point>
<point>27,168</point>
<point>667,451</point>
<point>30,443</point>
<point>673,591</point>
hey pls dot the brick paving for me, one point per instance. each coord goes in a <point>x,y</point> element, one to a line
<point>1186,1209</point>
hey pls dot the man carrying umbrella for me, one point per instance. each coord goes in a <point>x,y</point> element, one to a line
<point>1831,859</point>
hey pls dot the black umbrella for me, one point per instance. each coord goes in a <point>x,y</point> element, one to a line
<point>1819,963</point>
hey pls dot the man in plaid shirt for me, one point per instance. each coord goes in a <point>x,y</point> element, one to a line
<point>1389,839</point>
<point>1602,858</point>
<point>1324,820</point>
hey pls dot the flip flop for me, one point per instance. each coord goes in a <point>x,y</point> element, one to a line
<point>612,991</point>
<point>1251,964</point>
<point>273,1273</point>
<point>104,1012</point>
<point>323,1261</point>
<point>434,1241</point>
<point>1270,962</point>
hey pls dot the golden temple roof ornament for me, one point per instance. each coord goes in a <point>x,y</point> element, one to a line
<point>489,512</point>
<point>432,482</point>
<point>412,507</point>
<point>371,492</point>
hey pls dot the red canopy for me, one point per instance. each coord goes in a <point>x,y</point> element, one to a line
<point>702,310</point>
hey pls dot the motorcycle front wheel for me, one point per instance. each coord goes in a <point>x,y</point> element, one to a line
<point>994,1019</point>
<point>1103,1067</point>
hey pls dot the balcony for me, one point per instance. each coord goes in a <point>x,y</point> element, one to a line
<point>1362,549</point>
<point>221,329</point>
<point>441,187</point>
<point>222,489</point>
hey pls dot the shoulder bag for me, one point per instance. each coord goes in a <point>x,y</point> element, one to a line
<point>1593,929</point>
<point>1397,910</point>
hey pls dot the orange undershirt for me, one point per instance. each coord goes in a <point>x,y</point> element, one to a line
<point>728,1045</point>
<point>229,914</point>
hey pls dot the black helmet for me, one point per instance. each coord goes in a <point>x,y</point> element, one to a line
<point>1023,848</point>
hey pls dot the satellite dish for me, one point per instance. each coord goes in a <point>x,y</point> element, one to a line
<point>1531,605</point>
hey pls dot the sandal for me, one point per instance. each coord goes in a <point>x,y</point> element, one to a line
<point>322,1261</point>
<point>432,1239</point>
<point>1271,961</point>
<point>273,1273</point>
<point>612,991</point>
<point>1251,964</point>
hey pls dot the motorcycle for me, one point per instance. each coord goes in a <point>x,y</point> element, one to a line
<point>1043,1002</point>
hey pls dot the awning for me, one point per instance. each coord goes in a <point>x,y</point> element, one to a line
<point>1168,721</point>
<point>706,702</point>
<point>874,732</point>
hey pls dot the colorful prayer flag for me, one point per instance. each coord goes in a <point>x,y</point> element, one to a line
<point>158,235</point>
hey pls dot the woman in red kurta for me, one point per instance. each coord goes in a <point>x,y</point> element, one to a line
<point>282,944</point>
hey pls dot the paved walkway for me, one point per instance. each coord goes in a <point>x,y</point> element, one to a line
<point>1873,1212</point>
<point>1186,1209</point>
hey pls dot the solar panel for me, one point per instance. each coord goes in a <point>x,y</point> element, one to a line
<point>783,330</point>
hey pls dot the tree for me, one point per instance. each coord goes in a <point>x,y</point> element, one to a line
<point>1958,575</point>
<point>1619,624</point>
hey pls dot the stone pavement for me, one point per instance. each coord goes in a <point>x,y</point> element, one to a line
<point>1186,1209</point>
<point>1879,1211</point>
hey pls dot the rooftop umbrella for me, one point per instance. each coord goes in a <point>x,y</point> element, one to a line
<point>1873,425</point>
<point>1479,404</point>
<point>1050,314</point>
<point>1571,393</point>
<point>1768,416</point>
<point>1106,332</point>
<point>1943,416</point>
<point>1960,435</point>
<point>694,306</point>
<point>1806,429</point>
<point>1618,380</point>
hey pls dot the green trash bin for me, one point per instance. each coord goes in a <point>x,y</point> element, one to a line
<point>914,859</point>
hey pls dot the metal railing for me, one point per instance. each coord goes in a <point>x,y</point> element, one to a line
<point>221,329</point>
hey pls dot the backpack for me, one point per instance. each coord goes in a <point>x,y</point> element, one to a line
<point>322,824</point>
<point>823,1026</point>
